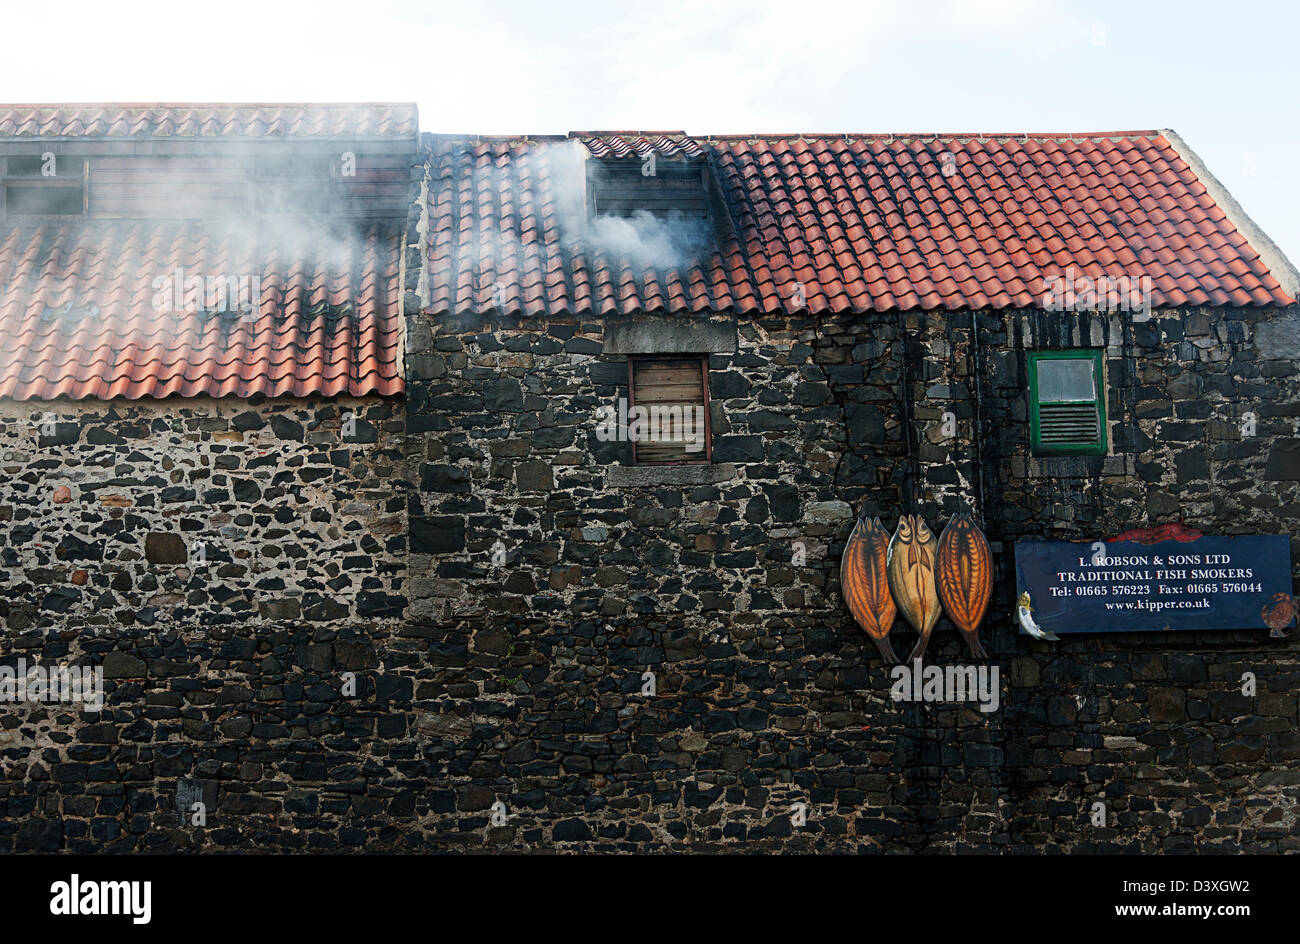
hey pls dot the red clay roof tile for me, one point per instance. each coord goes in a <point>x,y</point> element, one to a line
<point>815,223</point>
<point>90,309</point>
<point>843,222</point>
<point>80,297</point>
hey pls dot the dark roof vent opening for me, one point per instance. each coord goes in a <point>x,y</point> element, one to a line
<point>657,186</point>
<point>653,211</point>
<point>45,185</point>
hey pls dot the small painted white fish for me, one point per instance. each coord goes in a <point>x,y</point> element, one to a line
<point>1025,617</point>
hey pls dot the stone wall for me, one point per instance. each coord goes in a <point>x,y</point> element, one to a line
<point>223,562</point>
<point>765,692</point>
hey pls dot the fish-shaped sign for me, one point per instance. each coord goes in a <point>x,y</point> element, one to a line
<point>910,566</point>
<point>964,578</point>
<point>864,584</point>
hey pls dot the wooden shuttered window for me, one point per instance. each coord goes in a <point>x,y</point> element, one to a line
<point>623,188</point>
<point>1067,400</point>
<point>668,410</point>
<point>219,185</point>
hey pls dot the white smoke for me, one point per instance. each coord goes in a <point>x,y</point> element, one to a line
<point>554,173</point>
<point>647,241</point>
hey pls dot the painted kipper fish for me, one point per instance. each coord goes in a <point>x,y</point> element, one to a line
<point>964,578</point>
<point>910,566</point>
<point>864,584</point>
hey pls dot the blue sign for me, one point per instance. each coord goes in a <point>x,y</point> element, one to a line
<point>1127,587</point>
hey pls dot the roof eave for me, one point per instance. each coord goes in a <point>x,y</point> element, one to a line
<point>1278,264</point>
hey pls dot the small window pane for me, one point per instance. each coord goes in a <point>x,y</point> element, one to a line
<point>31,199</point>
<point>46,167</point>
<point>1066,381</point>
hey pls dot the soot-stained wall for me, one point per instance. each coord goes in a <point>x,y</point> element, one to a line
<point>766,693</point>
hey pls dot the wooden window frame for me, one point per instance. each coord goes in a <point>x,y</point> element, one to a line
<point>1037,446</point>
<point>703,361</point>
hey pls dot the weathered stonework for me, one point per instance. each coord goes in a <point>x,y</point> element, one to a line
<point>222,666</point>
<point>459,620</point>
<point>520,680</point>
<point>767,694</point>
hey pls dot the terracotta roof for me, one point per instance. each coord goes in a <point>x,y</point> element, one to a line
<point>505,232</point>
<point>840,223</point>
<point>843,223</point>
<point>162,120</point>
<point>87,307</point>
<point>90,309</point>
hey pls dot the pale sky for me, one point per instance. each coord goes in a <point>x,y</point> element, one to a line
<point>1223,75</point>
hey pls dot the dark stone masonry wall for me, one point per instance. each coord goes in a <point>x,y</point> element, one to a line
<point>766,694</point>
<point>223,668</point>
<point>545,576</point>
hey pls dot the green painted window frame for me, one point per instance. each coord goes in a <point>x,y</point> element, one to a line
<point>1099,384</point>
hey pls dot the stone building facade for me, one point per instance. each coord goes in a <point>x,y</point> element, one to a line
<point>202,460</point>
<point>552,648</point>
<point>767,693</point>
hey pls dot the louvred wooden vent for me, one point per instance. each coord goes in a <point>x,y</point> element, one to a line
<point>1067,402</point>
<point>1068,423</point>
<point>621,188</point>
<point>674,395</point>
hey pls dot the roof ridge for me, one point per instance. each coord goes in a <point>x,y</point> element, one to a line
<point>202,104</point>
<point>810,135</point>
<point>180,121</point>
<point>623,132</point>
<point>944,135</point>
